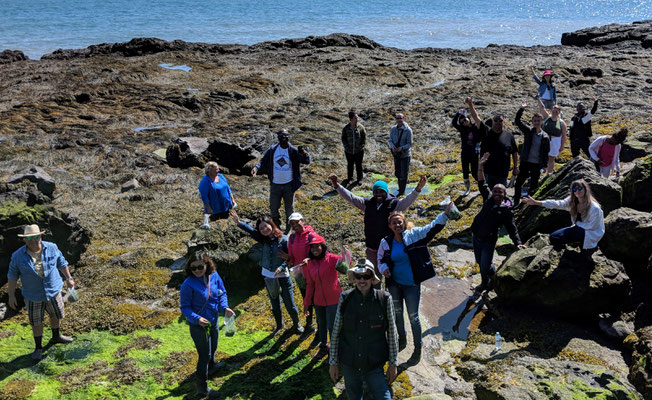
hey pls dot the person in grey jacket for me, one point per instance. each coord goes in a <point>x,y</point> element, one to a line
<point>354,137</point>
<point>400,141</point>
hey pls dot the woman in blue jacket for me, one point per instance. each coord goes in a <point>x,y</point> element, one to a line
<point>273,268</point>
<point>203,297</point>
<point>547,89</point>
<point>215,193</point>
<point>404,260</point>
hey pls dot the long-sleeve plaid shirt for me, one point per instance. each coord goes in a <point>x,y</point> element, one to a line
<point>392,336</point>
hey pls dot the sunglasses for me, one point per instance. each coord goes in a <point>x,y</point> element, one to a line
<point>577,188</point>
<point>32,237</point>
<point>399,118</point>
<point>197,267</point>
<point>363,277</point>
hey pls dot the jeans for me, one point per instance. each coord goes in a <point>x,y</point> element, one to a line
<point>325,316</point>
<point>570,234</point>
<point>206,347</point>
<point>375,380</point>
<point>493,180</point>
<point>276,193</point>
<point>527,169</point>
<point>401,171</point>
<point>580,144</point>
<point>278,288</point>
<point>412,296</point>
<point>470,160</point>
<point>484,254</point>
<point>352,159</point>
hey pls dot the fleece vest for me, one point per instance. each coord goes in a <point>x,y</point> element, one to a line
<point>376,226</point>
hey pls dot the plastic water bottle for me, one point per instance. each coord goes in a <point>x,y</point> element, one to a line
<point>499,342</point>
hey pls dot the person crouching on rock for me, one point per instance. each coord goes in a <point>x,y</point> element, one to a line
<point>273,268</point>
<point>39,265</point>
<point>404,260</point>
<point>322,287</point>
<point>586,214</point>
<point>496,211</point>
<point>605,151</point>
<point>202,298</point>
<point>215,193</point>
<point>364,336</point>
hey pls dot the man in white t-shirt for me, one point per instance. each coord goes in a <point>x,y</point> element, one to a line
<point>281,164</point>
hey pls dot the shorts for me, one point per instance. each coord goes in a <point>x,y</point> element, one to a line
<point>36,310</point>
<point>555,146</point>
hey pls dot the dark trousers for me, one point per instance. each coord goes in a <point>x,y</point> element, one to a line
<point>470,161</point>
<point>276,193</point>
<point>206,344</point>
<point>580,144</point>
<point>493,180</point>
<point>281,288</point>
<point>484,254</point>
<point>325,316</point>
<point>401,171</point>
<point>309,309</point>
<point>354,159</point>
<point>527,170</point>
<point>568,235</point>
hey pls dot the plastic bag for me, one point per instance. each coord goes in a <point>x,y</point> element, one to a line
<point>229,325</point>
<point>454,213</point>
<point>346,260</point>
<point>72,295</point>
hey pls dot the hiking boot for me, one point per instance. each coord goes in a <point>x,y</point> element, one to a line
<point>314,342</point>
<point>37,354</point>
<point>415,357</point>
<point>402,342</point>
<point>204,391</point>
<point>297,328</point>
<point>213,369</point>
<point>467,185</point>
<point>60,339</point>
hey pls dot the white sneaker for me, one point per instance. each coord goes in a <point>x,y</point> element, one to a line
<point>206,226</point>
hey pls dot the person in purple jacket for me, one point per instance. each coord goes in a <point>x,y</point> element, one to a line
<point>202,298</point>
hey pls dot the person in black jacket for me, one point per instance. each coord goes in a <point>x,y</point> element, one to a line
<point>281,164</point>
<point>469,138</point>
<point>580,130</point>
<point>534,154</point>
<point>496,212</point>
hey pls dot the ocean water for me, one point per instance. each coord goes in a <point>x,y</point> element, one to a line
<point>39,27</point>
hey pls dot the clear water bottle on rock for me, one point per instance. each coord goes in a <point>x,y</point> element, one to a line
<point>499,342</point>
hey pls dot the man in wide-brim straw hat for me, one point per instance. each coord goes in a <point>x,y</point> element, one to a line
<point>364,336</point>
<point>40,266</point>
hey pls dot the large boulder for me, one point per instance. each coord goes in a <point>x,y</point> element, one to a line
<point>532,220</point>
<point>187,152</point>
<point>637,32</point>
<point>35,174</point>
<point>9,56</point>
<point>640,372</point>
<point>567,281</point>
<point>628,236</point>
<point>636,146</point>
<point>637,186</point>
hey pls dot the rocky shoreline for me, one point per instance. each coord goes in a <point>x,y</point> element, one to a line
<point>118,132</point>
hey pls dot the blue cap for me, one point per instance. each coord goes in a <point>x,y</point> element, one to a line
<point>380,185</point>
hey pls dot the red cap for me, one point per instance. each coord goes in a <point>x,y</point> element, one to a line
<point>315,239</point>
<point>547,72</point>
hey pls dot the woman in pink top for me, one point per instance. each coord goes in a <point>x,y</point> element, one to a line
<point>298,249</point>
<point>605,151</point>
<point>322,286</point>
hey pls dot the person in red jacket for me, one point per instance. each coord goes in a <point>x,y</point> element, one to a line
<point>298,250</point>
<point>322,287</point>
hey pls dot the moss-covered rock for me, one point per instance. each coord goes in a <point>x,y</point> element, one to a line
<point>640,373</point>
<point>628,236</point>
<point>637,186</point>
<point>17,389</point>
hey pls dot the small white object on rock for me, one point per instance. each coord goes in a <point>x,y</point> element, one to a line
<point>130,185</point>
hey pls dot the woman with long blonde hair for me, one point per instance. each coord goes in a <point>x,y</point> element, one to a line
<point>586,216</point>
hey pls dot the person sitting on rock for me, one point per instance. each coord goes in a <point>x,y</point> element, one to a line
<point>495,212</point>
<point>364,336</point>
<point>281,164</point>
<point>586,214</point>
<point>404,260</point>
<point>322,287</point>
<point>470,137</point>
<point>39,265</point>
<point>400,141</point>
<point>534,154</point>
<point>376,210</point>
<point>500,143</point>
<point>580,129</point>
<point>547,91</point>
<point>273,268</point>
<point>215,193</point>
<point>353,139</point>
<point>555,127</point>
<point>298,251</point>
<point>605,151</point>
<point>202,297</point>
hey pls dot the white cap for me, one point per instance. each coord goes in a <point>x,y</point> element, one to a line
<point>295,217</point>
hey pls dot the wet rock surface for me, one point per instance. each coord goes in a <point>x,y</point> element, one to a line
<point>637,33</point>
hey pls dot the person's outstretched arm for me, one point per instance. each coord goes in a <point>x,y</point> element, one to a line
<point>346,194</point>
<point>404,203</point>
<point>482,184</point>
<point>542,108</point>
<point>473,112</point>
